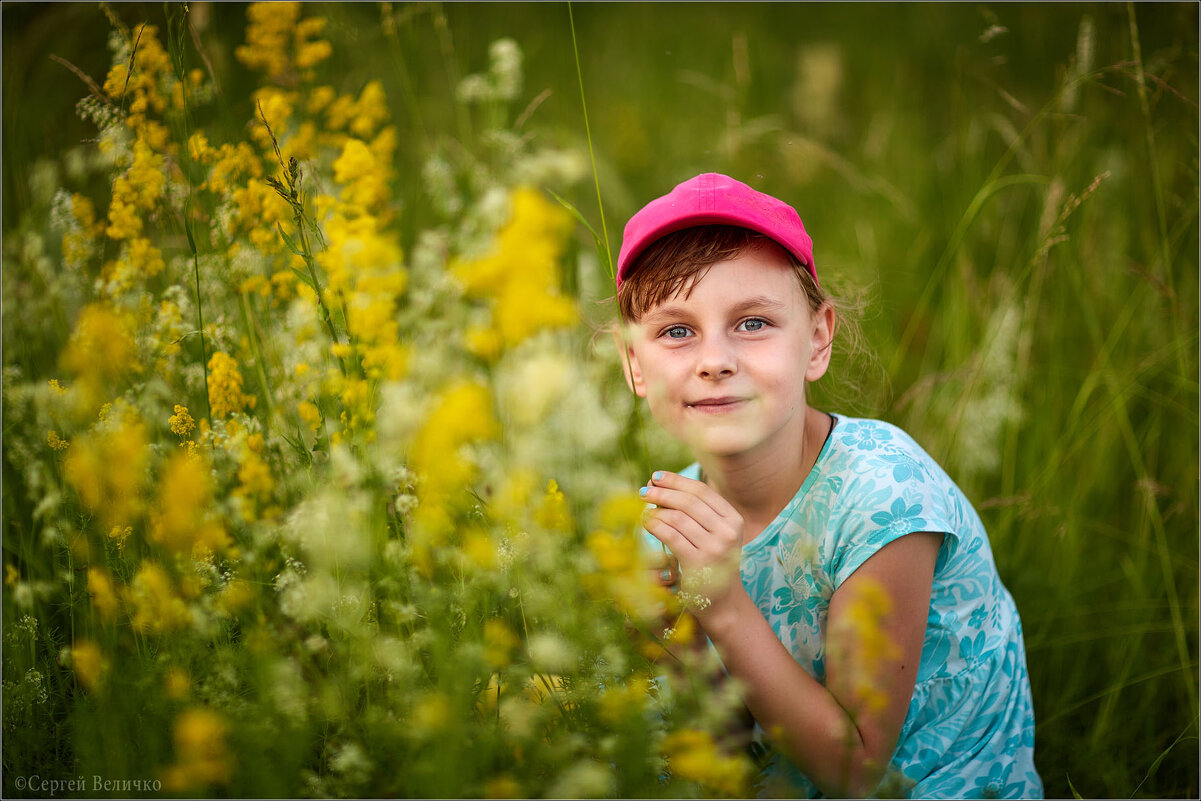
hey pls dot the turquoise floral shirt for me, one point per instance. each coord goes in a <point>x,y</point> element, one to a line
<point>969,732</point>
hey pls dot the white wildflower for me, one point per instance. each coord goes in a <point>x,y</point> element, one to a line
<point>585,779</point>
<point>551,653</point>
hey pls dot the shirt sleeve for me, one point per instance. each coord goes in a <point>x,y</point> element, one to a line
<point>890,489</point>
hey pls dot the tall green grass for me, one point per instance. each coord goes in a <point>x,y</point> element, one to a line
<point>1014,190</point>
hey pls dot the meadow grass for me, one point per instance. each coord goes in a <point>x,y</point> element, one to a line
<point>1011,189</point>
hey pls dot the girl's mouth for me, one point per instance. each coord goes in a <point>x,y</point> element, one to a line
<point>715,405</point>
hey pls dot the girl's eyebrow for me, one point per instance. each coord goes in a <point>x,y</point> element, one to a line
<point>760,303</point>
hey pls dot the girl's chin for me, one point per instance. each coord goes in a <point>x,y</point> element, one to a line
<point>718,443</point>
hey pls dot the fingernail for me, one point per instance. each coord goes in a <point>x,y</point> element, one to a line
<point>643,491</point>
<point>658,474</point>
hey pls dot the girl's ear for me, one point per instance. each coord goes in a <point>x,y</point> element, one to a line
<point>824,322</point>
<point>629,364</point>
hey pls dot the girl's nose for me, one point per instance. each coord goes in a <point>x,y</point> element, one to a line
<point>715,359</point>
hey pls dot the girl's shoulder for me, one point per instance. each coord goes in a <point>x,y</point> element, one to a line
<point>875,470</point>
<point>868,434</point>
<point>864,442</point>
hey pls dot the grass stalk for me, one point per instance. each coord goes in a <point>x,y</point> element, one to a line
<point>1138,463</point>
<point>935,280</point>
<point>1161,216</point>
<point>289,190</point>
<point>462,117</point>
<point>252,335</point>
<point>634,422</point>
<point>204,359</point>
<point>607,252</point>
<point>175,49</point>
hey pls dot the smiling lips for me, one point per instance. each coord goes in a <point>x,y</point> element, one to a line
<point>715,405</point>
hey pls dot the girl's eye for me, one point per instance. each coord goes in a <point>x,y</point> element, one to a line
<point>753,324</point>
<point>676,332</point>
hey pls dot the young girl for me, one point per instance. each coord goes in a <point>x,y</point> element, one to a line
<point>843,578</point>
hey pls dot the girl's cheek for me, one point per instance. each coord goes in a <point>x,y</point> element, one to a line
<point>657,389</point>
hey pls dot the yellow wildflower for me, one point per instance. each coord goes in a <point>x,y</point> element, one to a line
<point>137,90</point>
<point>521,274</point>
<point>358,406</point>
<point>225,386</point>
<point>77,241</point>
<point>615,553</point>
<point>310,53</point>
<point>258,210</point>
<point>364,177</point>
<point>462,414</point>
<point>318,98</point>
<point>552,511</point>
<point>267,37</point>
<point>275,105</point>
<point>170,327</point>
<point>431,713</point>
<point>542,687</point>
<point>622,566</point>
<point>255,482</point>
<point>185,522</point>
<point>199,149</point>
<point>860,640</point>
<point>119,534</point>
<point>230,163</point>
<point>624,701</point>
<point>363,266</point>
<point>123,219</point>
<point>177,683</point>
<point>502,786</point>
<point>139,260</point>
<point>499,643</point>
<point>181,422</point>
<point>58,388</point>
<point>278,41</point>
<point>237,595</point>
<point>104,597</point>
<point>310,414</point>
<point>622,512</point>
<point>202,757</point>
<point>356,246</point>
<point>107,469</point>
<point>89,663</point>
<point>100,351</point>
<point>479,550</point>
<point>55,441</point>
<point>157,608</point>
<point>84,212</point>
<point>491,695</point>
<point>361,116</point>
<point>695,757</point>
<point>511,500</point>
<point>140,187</point>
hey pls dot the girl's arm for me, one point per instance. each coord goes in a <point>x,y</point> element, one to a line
<point>841,735</point>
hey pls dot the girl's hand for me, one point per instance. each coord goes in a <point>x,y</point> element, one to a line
<point>702,530</point>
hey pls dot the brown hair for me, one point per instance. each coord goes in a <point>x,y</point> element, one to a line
<point>674,263</point>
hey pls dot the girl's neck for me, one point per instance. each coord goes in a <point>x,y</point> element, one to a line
<point>760,484</point>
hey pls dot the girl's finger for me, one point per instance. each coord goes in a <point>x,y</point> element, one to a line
<point>685,502</point>
<point>698,489</point>
<point>679,543</point>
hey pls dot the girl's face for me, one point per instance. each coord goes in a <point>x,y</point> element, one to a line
<point>724,370</point>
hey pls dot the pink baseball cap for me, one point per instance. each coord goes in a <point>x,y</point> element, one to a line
<point>715,199</point>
